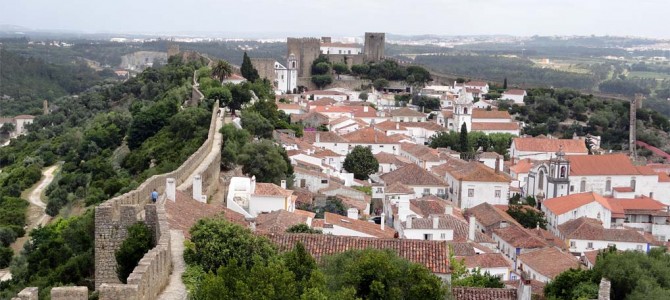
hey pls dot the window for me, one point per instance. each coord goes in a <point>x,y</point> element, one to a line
<point>573,244</point>
<point>541,180</point>
<point>639,247</point>
<point>426,191</point>
<point>572,188</point>
<point>574,214</point>
<point>582,186</point>
<point>443,236</point>
<point>632,183</point>
<point>427,237</point>
<point>324,181</point>
<point>497,194</point>
<point>440,191</point>
<point>471,192</point>
<point>589,245</point>
<point>380,190</point>
<point>563,172</point>
<point>608,184</point>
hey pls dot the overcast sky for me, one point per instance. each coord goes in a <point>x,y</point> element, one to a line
<point>647,18</point>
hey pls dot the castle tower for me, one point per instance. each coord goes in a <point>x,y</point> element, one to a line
<point>173,49</point>
<point>558,179</point>
<point>306,50</point>
<point>463,111</point>
<point>374,46</point>
<point>45,107</point>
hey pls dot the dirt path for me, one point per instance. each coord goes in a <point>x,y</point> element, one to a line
<point>36,213</point>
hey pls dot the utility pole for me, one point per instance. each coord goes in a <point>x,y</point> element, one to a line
<point>632,134</point>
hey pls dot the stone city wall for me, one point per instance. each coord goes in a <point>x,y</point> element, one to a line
<point>113,217</point>
<point>57,293</point>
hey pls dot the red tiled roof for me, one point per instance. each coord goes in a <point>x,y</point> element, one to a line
<point>608,164</point>
<point>365,227</point>
<point>473,171</point>
<point>413,175</point>
<point>271,189</point>
<point>406,112</point>
<point>320,92</point>
<point>278,221</point>
<point>474,293</point>
<point>515,92</point>
<point>561,205</point>
<point>624,189</point>
<point>425,125</point>
<point>486,260</point>
<point>490,114</point>
<point>390,125</point>
<point>488,215</point>
<point>519,237</point>
<point>368,136</point>
<point>549,261</point>
<point>483,126</point>
<point>326,153</point>
<point>536,144</point>
<point>476,83</point>
<point>523,166</point>
<point>398,188</point>
<point>591,229</point>
<point>432,254</point>
<point>430,205</point>
<point>184,212</point>
<point>324,137</point>
<point>388,158</point>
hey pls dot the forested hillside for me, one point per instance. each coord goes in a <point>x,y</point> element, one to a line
<point>30,80</point>
<point>109,140</point>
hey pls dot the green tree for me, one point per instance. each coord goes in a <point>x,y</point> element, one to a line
<point>461,276</point>
<point>240,93</point>
<point>322,80</point>
<point>222,94</point>
<point>527,217</point>
<point>265,160</point>
<point>256,124</point>
<point>133,248</point>
<point>302,228</point>
<point>505,83</point>
<point>233,141</point>
<point>6,254</point>
<point>363,96</point>
<point>340,69</point>
<point>222,69</point>
<point>463,144</point>
<point>380,83</point>
<point>247,69</point>
<point>7,128</point>
<point>360,70</point>
<point>361,162</point>
<point>380,274</point>
<point>302,265</point>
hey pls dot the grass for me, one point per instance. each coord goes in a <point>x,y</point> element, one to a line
<point>659,76</point>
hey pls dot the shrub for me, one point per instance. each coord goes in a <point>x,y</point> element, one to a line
<point>133,248</point>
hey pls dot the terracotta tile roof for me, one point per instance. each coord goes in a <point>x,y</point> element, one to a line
<point>368,136</point>
<point>490,114</point>
<point>518,237</point>
<point>549,261</point>
<point>561,205</point>
<point>638,203</point>
<point>430,205</point>
<point>473,293</point>
<point>537,287</point>
<point>324,137</point>
<point>185,212</point>
<point>325,92</point>
<point>365,227</point>
<point>282,106</point>
<point>590,229</point>
<point>624,189</point>
<point>271,189</point>
<point>398,188</point>
<point>388,158</point>
<point>278,221</point>
<point>535,144</point>
<point>482,126</point>
<point>406,112</point>
<point>360,111</point>
<point>549,237</point>
<point>662,177</point>
<point>515,92</point>
<point>474,171</point>
<point>352,203</point>
<point>304,196</point>
<point>425,125</point>
<point>490,155</point>
<point>486,260</point>
<point>421,152</point>
<point>318,223</point>
<point>522,167</point>
<point>390,125</point>
<point>326,153</point>
<point>305,213</point>
<point>322,102</point>
<point>460,228</point>
<point>609,164</point>
<point>413,175</point>
<point>467,248</point>
<point>591,256</point>
<point>488,215</point>
<point>448,114</point>
<point>476,83</point>
<point>432,254</point>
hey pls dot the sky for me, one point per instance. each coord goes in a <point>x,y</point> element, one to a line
<point>274,18</point>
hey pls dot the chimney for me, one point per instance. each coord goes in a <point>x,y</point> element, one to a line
<point>252,186</point>
<point>352,213</point>
<point>197,188</point>
<point>252,223</point>
<point>471,231</point>
<point>524,291</point>
<point>383,223</point>
<point>604,289</point>
<point>283,184</point>
<point>171,189</point>
<point>436,222</point>
<point>397,126</point>
<point>403,209</point>
<point>318,137</point>
<point>448,210</point>
<point>365,108</point>
<point>408,224</point>
<point>497,164</point>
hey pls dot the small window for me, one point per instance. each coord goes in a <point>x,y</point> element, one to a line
<point>573,244</point>
<point>427,237</point>
<point>380,190</point>
<point>426,191</point>
<point>632,183</point>
<point>572,188</point>
<point>608,184</point>
<point>471,192</point>
<point>443,236</point>
<point>582,186</point>
<point>324,181</point>
<point>440,191</point>
<point>497,194</point>
<point>589,245</point>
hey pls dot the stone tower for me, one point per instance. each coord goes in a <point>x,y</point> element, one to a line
<point>306,50</point>
<point>463,111</point>
<point>45,107</point>
<point>173,49</point>
<point>374,46</point>
<point>292,76</point>
<point>558,179</point>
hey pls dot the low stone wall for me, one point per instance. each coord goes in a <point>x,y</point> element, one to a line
<point>57,293</point>
<point>113,217</point>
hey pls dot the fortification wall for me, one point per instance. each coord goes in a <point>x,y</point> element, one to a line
<point>349,59</point>
<point>265,67</point>
<point>113,217</point>
<point>57,293</point>
<point>346,84</point>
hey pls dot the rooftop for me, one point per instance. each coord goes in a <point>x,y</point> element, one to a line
<point>406,112</point>
<point>365,227</point>
<point>490,114</point>
<point>278,221</point>
<point>608,164</point>
<point>591,229</point>
<point>561,205</point>
<point>549,261</point>
<point>271,189</point>
<point>488,215</point>
<point>536,144</point>
<point>432,254</point>
<point>368,135</point>
<point>519,237</point>
<point>486,260</point>
<point>484,126</point>
<point>413,175</point>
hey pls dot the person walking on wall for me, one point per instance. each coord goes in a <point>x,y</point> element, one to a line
<point>154,196</point>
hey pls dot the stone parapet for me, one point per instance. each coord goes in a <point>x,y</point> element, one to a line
<point>69,293</point>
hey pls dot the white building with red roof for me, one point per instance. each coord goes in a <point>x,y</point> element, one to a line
<point>250,198</point>
<point>340,48</point>
<point>476,119</point>
<point>515,95</point>
<point>585,234</point>
<point>543,148</point>
<point>318,94</point>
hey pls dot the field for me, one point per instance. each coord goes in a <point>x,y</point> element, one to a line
<point>656,75</point>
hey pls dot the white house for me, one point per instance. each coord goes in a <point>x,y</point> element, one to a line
<point>421,181</point>
<point>375,140</point>
<point>290,108</point>
<point>473,183</point>
<point>536,148</point>
<point>233,79</point>
<point>340,48</point>
<point>585,234</point>
<point>434,228</point>
<point>319,94</point>
<point>492,263</point>
<point>346,226</point>
<point>515,240</point>
<point>407,115</point>
<point>563,209</point>
<point>515,95</point>
<point>482,86</point>
<point>545,264</point>
<point>249,198</point>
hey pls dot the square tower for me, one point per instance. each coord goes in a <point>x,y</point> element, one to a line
<point>374,46</point>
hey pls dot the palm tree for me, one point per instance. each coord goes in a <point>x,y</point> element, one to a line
<point>222,69</point>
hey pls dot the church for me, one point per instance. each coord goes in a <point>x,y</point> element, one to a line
<point>286,79</point>
<point>476,119</point>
